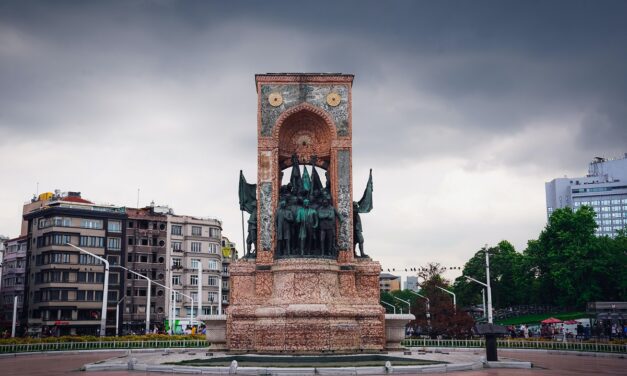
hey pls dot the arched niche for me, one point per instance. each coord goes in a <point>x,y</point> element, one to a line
<point>305,131</point>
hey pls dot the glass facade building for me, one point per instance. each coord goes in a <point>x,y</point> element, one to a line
<point>604,189</point>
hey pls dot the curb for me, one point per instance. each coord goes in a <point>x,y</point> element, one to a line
<point>306,371</point>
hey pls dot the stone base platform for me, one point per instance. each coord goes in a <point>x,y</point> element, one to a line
<point>305,306</point>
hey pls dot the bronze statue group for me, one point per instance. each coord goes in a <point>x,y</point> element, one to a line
<point>305,219</point>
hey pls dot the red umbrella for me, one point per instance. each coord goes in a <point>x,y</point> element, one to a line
<point>551,320</point>
<point>571,322</point>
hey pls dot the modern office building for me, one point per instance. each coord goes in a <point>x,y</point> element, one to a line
<point>604,189</point>
<point>146,254</point>
<point>194,242</point>
<point>64,287</point>
<point>13,282</point>
<point>389,282</point>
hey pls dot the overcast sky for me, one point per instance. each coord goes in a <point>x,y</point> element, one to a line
<point>463,109</point>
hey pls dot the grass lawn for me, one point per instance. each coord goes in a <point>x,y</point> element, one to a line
<point>535,319</point>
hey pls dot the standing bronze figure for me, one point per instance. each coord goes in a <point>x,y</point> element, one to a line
<point>307,218</point>
<point>284,218</point>
<point>326,216</point>
<point>363,206</point>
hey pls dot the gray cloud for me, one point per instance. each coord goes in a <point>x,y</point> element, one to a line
<point>509,91</point>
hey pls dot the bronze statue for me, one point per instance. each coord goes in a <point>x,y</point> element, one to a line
<point>363,206</point>
<point>326,216</point>
<point>251,239</point>
<point>248,203</point>
<point>307,218</point>
<point>284,218</point>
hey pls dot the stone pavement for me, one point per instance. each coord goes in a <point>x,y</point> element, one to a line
<point>545,364</point>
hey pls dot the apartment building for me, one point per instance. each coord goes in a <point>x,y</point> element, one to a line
<point>229,254</point>
<point>194,242</point>
<point>146,254</point>
<point>389,282</point>
<point>64,287</point>
<point>13,283</point>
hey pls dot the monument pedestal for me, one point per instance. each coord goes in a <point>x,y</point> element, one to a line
<point>305,305</point>
<point>216,331</point>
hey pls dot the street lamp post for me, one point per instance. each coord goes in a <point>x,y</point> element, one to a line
<point>390,305</point>
<point>428,306</point>
<point>487,273</point>
<point>452,293</point>
<point>487,284</point>
<point>489,298</point>
<point>105,290</point>
<point>117,315</point>
<point>199,287</point>
<point>148,295</point>
<point>174,292</point>
<point>14,316</point>
<point>404,301</point>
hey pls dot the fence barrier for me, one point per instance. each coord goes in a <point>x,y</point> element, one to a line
<point>417,342</point>
<point>122,345</point>
<point>513,344</point>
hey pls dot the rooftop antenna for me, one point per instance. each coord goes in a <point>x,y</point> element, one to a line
<point>137,198</point>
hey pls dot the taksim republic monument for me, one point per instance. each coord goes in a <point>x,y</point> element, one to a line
<point>305,283</point>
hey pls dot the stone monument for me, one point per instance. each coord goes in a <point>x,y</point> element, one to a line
<point>301,287</point>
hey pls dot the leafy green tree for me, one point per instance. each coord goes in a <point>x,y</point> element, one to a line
<point>566,259</point>
<point>509,277</point>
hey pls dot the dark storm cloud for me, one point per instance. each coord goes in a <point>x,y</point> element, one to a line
<point>440,77</point>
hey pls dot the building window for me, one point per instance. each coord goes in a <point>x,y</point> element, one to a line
<point>87,260</point>
<point>193,280</point>
<point>214,248</point>
<point>176,262</point>
<point>177,230</point>
<point>114,244</point>
<point>113,260</point>
<point>177,246</point>
<point>213,265</point>
<point>91,223</point>
<point>196,247</point>
<point>196,230</point>
<point>195,263</point>
<point>91,241</point>
<point>212,296</point>
<point>194,296</point>
<point>176,280</point>
<point>114,226</point>
<point>212,281</point>
<point>214,232</point>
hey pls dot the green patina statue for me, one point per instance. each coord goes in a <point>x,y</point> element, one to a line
<point>307,218</point>
<point>326,216</point>
<point>363,206</point>
<point>284,219</point>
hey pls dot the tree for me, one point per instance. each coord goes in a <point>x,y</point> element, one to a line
<point>443,318</point>
<point>509,277</point>
<point>567,259</point>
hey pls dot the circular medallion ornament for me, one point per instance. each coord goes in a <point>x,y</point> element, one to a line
<point>333,99</point>
<point>275,99</point>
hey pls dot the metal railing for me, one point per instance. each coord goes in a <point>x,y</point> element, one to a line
<point>100,345</point>
<point>514,344</point>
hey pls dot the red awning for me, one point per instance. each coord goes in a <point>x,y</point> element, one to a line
<point>551,320</point>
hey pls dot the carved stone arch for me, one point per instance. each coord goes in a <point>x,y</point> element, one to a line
<point>304,130</point>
